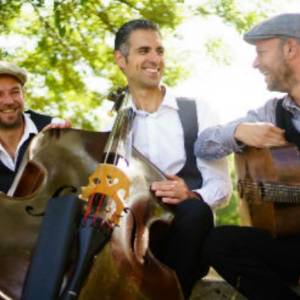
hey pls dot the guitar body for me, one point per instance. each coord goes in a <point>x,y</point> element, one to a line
<point>269,188</point>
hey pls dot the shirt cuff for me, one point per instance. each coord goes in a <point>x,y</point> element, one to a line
<point>229,139</point>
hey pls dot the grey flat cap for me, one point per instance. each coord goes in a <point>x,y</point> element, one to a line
<point>285,25</point>
<point>7,68</point>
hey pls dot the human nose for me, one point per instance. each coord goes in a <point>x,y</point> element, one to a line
<point>9,98</point>
<point>6,98</point>
<point>155,57</point>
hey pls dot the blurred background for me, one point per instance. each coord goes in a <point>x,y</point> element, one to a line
<point>67,48</point>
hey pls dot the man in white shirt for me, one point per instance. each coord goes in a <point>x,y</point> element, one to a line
<point>164,130</point>
<point>16,126</point>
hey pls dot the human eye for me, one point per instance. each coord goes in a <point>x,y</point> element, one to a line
<point>161,51</point>
<point>143,50</point>
<point>260,52</point>
<point>16,92</point>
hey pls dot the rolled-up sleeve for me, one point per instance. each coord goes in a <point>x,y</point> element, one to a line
<point>218,141</point>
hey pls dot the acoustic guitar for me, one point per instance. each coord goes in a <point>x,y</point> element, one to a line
<point>269,188</point>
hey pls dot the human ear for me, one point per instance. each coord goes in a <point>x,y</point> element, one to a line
<point>120,59</point>
<point>291,48</point>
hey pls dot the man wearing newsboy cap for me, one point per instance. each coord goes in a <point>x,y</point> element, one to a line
<point>284,25</point>
<point>16,126</point>
<point>257,264</point>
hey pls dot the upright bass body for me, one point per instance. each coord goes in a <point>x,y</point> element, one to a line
<point>133,272</point>
<point>61,162</point>
<point>269,188</point>
<point>54,159</point>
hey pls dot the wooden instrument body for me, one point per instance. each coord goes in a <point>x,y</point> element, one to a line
<point>48,164</point>
<point>268,181</point>
<point>134,272</point>
<point>126,268</point>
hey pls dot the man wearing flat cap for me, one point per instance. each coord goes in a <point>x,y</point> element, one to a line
<point>16,126</point>
<point>257,264</point>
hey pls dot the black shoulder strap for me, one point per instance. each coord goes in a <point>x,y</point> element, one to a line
<point>284,121</point>
<point>40,120</point>
<point>6,177</point>
<point>188,117</point>
<point>280,114</point>
<point>189,120</point>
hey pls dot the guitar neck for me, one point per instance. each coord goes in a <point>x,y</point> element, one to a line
<point>281,193</point>
<point>271,192</point>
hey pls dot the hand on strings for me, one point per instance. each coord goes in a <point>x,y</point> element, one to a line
<point>260,135</point>
<point>173,190</point>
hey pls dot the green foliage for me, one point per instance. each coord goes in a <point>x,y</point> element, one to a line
<point>218,51</point>
<point>64,44</point>
<point>230,12</point>
<point>230,213</point>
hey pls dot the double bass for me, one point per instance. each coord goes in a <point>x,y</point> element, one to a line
<point>269,188</point>
<point>97,167</point>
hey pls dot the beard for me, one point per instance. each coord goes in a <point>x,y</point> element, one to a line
<point>12,122</point>
<point>282,79</point>
<point>276,85</point>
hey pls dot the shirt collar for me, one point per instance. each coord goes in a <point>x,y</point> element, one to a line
<point>29,128</point>
<point>290,105</point>
<point>169,101</point>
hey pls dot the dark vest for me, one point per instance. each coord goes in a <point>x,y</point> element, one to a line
<point>6,175</point>
<point>188,117</point>
<point>284,121</point>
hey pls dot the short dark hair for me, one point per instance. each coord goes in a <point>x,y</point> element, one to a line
<point>122,35</point>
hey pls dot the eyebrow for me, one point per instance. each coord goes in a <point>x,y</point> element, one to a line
<point>143,47</point>
<point>14,88</point>
<point>148,47</point>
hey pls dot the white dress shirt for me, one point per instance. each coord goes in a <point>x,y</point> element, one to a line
<point>159,136</point>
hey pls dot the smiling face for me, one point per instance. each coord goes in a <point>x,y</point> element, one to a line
<point>143,64</point>
<point>11,102</point>
<point>272,63</point>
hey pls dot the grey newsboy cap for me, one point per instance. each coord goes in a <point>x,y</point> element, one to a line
<point>7,68</point>
<point>285,25</point>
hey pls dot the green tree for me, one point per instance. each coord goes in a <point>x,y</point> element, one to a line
<point>229,214</point>
<point>65,43</point>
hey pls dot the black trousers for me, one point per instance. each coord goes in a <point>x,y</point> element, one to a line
<point>256,264</point>
<point>182,246</point>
